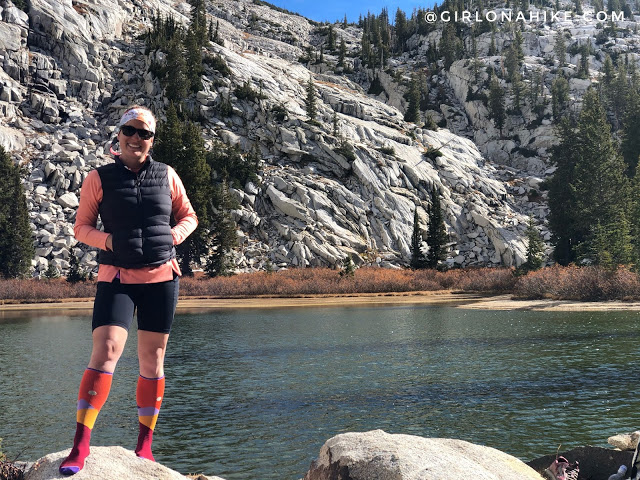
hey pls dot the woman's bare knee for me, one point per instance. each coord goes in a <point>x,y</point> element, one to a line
<point>108,345</point>
<point>151,350</point>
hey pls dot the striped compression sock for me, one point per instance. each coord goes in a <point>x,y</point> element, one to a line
<point>94,390</point>
<point>149,398</point>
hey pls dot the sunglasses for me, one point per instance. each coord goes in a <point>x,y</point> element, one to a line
<point>130,131</point>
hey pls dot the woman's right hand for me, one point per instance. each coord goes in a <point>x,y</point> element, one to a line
<point>109,243</point>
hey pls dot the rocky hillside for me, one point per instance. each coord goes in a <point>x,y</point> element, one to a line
<point>71,67</point>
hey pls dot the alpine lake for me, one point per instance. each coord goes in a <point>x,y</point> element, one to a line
<point>253,394</point>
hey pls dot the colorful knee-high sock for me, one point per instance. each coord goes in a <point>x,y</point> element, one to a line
<point>94,390</point>
<point>149,398</point>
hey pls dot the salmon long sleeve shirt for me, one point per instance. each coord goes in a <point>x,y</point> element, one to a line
<point>86,232</point>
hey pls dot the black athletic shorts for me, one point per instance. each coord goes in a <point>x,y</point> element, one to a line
<point>116,303</point>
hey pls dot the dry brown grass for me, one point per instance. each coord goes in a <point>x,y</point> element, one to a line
<point>579,283</point>
<point>32,290</point>
<point>324,281</point>
<point>287,283</point>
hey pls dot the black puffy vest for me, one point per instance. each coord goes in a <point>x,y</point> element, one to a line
<point>136,210</point>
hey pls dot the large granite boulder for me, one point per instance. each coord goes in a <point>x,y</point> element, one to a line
<point>378,455</point>
<point>106,463</point>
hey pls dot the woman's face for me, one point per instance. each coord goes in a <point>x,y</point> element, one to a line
<point>134,150</point>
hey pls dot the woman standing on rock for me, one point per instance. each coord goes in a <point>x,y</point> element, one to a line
<point>135,198</point>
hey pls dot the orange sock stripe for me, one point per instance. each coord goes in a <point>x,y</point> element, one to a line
<point>93,393</point>
<point>149,421</point>
<point>149,395</point>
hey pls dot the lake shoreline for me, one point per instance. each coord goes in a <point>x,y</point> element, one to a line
<point>464,300</point>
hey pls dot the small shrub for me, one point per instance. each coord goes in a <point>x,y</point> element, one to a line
<point>225,108</point>
<point>51,271</point>
<point>432,154</point>
<point>348,267</point>
<point>246,92</point>
<point>22,5</point>
<point>430,124</point>
<point>346,150</point>
<point>218,63</point>
<point>387,150</point>
<point>279,112</point>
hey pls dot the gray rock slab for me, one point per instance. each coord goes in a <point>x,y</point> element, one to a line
<point>105,463</point>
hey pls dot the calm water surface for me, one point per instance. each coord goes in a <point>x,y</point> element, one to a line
<point>254,395</point>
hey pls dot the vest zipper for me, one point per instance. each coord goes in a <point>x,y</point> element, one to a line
<point>138,191</point>
<point>139,195</point>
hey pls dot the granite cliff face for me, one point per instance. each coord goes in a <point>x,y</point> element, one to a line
<point>70,68</point>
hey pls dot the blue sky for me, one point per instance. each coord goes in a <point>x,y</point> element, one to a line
<point>332,10</point>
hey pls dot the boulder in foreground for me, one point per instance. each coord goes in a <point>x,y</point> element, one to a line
<point>105,463</point>
<point>378,455</point>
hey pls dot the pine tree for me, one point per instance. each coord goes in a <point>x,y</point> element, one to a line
<point>512,62</point>
<point>589,188</point>
<point>518,40</point>
<point>608,72</point>
<point>601,187</point>
<point>559,97</point>
<point>51,271</point>
<point>168,138</point>
<point>310,101</point>
<point>365,49</point>
<point>342,52</point>
<point>75,273</point>
<point>198,21</point>
<point>492,45</point>
<point>535,248</point>
<point>436,233</point>
<point>16,239</point>
<point>517,90</point>
<point>563,211</point>
<point>413,110</point>
<point>331,39</point>
<point>401,30</point>
<point>634,216</point>
<point>630,144</point>
<point>224,236</point>
<point>450,45</point>
<point>180,145</point>
<point>348,267</point>
<point>620,98</point>
<point>609,245</point>
<point>418,258</point>
<point>192,168</point>
<point>194,69</point>
<point>583,67</point>
<point>496,104</point>
<point>477,64</point>
<point>176,81</point>
<point>560,48</point>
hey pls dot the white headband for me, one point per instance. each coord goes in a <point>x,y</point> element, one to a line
<point>139,114</point>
